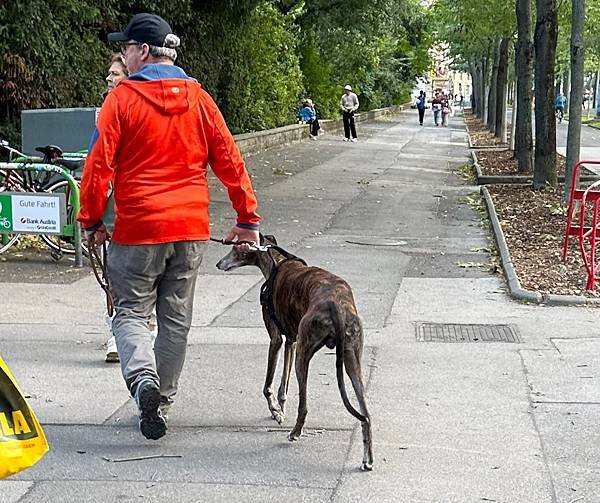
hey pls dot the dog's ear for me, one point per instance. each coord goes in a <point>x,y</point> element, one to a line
<point>268,239</point>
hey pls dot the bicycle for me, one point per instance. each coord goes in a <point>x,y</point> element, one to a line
<point>46,181</point>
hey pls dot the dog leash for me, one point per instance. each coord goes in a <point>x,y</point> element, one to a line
<point>240,242</point>
<point>98,263</point>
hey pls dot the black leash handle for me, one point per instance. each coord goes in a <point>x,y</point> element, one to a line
<point>228,242</point>
<point>98,263</point>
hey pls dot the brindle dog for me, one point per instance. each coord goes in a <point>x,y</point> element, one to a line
<point>312,308</point>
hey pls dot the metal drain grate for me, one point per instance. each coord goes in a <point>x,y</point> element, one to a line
<point>455,332</point>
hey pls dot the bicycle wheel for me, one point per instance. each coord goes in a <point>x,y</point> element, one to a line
<point>58,243</point>
<point>7,240</point>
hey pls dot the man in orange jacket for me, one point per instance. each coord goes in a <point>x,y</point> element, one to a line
<point>156,134</point>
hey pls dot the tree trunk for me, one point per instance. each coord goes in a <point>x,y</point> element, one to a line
<point>501,90</point>
<point>524,76</point>
<point>493,90</point>
<point>546,29</point>
<point>593,87</point>
<point>475,88</point>
<point>567,89</point>
<point>576,95</point>
<point>596,91</point>
<point>484,89</point>
<point>513,122</point>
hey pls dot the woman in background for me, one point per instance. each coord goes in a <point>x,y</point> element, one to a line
<point>117,71</point>
<point>308,114</point>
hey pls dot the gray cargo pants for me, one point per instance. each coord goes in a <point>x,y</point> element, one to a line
<point>141,278</point>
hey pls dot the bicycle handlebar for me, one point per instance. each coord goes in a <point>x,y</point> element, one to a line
<point>5,145</point>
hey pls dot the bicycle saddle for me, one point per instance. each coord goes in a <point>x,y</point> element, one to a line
<point>50,151</point>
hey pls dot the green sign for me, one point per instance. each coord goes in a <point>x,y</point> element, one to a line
<point>32,213</point>
<point>5,213</point>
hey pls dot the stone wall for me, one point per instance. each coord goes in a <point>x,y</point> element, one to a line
<point>250,143</point>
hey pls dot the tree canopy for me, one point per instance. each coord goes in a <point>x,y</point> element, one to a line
<point>257,58</point>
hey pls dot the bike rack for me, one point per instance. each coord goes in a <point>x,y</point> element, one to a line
<point>586,232</point>
<point>73,227</point>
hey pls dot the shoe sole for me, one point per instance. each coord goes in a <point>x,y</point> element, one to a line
<point>112,358</point>
<point>152,425</point>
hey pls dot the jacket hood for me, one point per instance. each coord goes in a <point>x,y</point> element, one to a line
<point>166,87</point>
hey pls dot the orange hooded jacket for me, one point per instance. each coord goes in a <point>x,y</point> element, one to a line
<point>156,134</point>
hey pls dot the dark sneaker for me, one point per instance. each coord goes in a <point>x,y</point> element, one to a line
<point>152,423</point>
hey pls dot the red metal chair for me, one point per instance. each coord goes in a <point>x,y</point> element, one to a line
<point>583,229</point>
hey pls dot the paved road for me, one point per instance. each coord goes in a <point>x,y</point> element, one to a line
<point>460,422</point>
<point>590,138</point>
<point>590,141</point>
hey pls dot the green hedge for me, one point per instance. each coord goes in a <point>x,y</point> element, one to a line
<point>257,58</point>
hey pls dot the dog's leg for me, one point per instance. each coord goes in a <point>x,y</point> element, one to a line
<point>304,353</point>
<point>352,359</point>
<point>274,349</point>
<point>288,360</point>
<point>302,362</point>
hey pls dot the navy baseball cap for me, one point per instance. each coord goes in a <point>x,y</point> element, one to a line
<point>143,28</point>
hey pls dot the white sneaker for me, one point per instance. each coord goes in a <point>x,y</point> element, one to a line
<point>112,356</point>
<point>354,140</point>
<point>313,137</point>
<point>346,139</point>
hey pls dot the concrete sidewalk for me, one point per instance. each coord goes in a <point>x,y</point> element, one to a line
<point>461,422</point>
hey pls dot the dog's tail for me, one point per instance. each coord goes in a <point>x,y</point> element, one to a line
<point>339,360</point>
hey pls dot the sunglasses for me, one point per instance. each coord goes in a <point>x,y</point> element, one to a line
<point>125,45</point>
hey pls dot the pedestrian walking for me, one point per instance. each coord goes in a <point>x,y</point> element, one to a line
<point>446,109</point>
<point>117,71</point>
<point>348,105</point>
<point>436,106</point>
<point>421,105</point>
<point>157,132</point>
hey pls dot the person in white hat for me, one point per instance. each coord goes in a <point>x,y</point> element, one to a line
<point>349,105</point>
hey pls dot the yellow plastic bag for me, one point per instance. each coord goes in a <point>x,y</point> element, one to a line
<point>22,440</point>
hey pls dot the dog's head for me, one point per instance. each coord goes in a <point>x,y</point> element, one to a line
<point>239,258</point>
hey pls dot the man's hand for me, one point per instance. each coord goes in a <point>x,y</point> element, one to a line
<point>238,234</point>
<point>99,236</point>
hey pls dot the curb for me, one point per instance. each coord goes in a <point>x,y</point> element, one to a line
<point>468,132</point>
<point>499,146</point>
<point>516,179</point>
<point>514,286</point>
